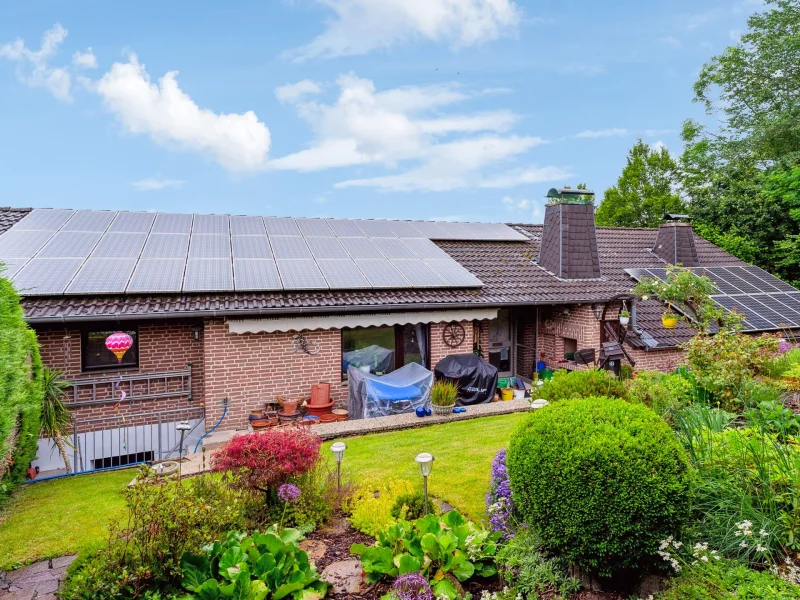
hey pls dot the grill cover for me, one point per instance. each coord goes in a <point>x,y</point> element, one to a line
<point>476,379</point>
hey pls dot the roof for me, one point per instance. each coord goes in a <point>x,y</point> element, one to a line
<point>9,216</point>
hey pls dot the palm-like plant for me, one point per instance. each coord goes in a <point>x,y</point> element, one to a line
<point>56,420</point>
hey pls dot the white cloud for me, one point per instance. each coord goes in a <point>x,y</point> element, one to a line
<point>293,91</point>
<point>671,41</point>
<point>656,132</point>
<point>151,184</point>
<point>84,60</point>
<point>530,175</point>
<point>579,68</point>
<point>238,142</point>
<point>658,146</point>
<point>361,26</point>
<point>735,35</point>
<point>703,18</point>
<point>531,210</point>
<point>601,133</point>
<point>34,69</point>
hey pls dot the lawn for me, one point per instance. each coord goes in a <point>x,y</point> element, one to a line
<point>62,516</point>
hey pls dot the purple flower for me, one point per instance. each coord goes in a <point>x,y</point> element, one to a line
<point>499,504</point>
<point>412,586</point>
<point>288,492</point>
<point>784,347</point>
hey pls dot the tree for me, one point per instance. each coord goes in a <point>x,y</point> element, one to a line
<point>56,419</point>
<point>644,192</point>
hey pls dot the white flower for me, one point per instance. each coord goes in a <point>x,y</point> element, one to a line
<point>743,545</point>
<point>763,533</point>
<point>760,548</point>
<point>704,558</point>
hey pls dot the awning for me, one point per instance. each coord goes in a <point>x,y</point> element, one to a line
<point>309,323</point>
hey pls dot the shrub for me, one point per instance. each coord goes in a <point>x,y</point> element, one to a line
<point>658,391</point>
<point>165,518</point>
<point>444,393</point>
<point>566,385</point>
<point>774,418</point>
<point>499,503</point>
<point>264,460</point>
<point>409,507</point>
<point>371,505</point>
<point>600,481</point>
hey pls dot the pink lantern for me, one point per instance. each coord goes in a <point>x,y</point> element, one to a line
<point>119,343</point>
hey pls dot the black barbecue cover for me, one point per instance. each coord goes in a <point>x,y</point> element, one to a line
<point>476,378</point>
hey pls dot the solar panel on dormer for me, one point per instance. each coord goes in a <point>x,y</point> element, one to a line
<point>393,248</point>
<point>120,245</point>
<point>453,273</point>
<point>375,228</point>
<point>344,227</point>
<point>214,224</point>
<point>381,273</point>
<point>208,275</point>
<point>157,275</point>
<point>326,247</point>
<point>424,248</point>
<point>418,273</point>
<point>241,225</point>
<point>209,246</point>
<point>342,274</point>
<point>314,227</point>
<point>251,246</point>
<point>22,244</point>
<point>89,220</point>
<point>360,247</point>
<point>301,274</point>
<point>166,245</point>
<point>102,276</point>
<point>70,244</point>
<point>403,229</point>
<point>430,230</point>
<point>46,275</point>
<point>44,218</point>
<point>281,226</point>
<point>256,274</point>
<point>289,246</point>
<point>172,223</point>
<point>133,222</point>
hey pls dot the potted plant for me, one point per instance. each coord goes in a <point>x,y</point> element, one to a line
<point>624,317</point>
<point>443,397</point>
<point>669,319</point>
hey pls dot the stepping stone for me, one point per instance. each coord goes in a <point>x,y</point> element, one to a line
<point>315,549</point>
<point>337,526</point>
<point>344,576</point>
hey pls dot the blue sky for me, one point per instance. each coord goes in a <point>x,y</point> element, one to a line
<point>419,109</point>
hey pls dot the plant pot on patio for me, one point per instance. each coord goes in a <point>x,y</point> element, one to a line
<point>443,411</point>
<point>443,397</point>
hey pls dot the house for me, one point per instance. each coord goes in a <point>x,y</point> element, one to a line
<point>227,312</point>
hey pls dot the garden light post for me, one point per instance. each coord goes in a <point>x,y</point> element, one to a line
<point>183,427</point>
<point>338,449</point>
<point>425,462</point>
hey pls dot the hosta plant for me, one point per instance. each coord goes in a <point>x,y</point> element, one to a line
<point>446,550</point>
<point>252,568</point>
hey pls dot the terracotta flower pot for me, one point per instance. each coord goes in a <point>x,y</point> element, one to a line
<point>341,414</point>
<point>320,394</point>
<point>328,418</point>
<point>290,407</point>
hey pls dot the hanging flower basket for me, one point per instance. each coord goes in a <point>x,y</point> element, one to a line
<point>669,320</point>
<point>624,318</point>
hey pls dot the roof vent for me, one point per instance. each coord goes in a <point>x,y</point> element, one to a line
<point>675,242</point>
<point>569,238</point>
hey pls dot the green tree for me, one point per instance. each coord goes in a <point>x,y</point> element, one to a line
<point>56,420</point>
<point>644,192</point>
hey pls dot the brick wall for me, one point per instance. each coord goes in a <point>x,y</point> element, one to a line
<point>657,360</point>
<point>554,326</point>
<point>439,349</point>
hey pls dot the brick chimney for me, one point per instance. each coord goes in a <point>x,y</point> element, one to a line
<point>675,243</point>
<point>569,238</point>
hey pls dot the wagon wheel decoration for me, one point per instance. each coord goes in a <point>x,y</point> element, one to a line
<point>453,334</point>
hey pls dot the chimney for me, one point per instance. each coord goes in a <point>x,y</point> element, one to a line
<point>569,240</point>
<point>675,242</point>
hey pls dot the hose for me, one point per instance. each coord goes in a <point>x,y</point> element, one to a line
<point>224,412</point>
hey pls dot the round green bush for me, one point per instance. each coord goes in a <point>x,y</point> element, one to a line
<point>566,385</point>
<point>602,482</point>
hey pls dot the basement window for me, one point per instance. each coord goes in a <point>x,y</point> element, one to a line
<point>96,357</point>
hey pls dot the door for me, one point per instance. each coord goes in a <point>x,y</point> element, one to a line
<point>500,343</point>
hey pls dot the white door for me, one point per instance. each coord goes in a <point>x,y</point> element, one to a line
<point>501,353</point>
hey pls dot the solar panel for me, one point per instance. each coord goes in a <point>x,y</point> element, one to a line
<point>166,245</point>
<point>772,280</point>
<point>753,279</point>
<point>46,275</point>
<point>22,244</point>
<point>502,232</point>
<point>89,220</point>
<point>785,314</point>
<point>133,222</point>
<point>289,246</point>
<point>281,226</point>
<point>312,227</point>
<point>393,248</point>
<point>256,274</point>
<point>344,227</point>
<point>70,244</point>
<point>403,229</point>
<point>792,301</point>
<point>720,280</point>
<point>102,276</point>
<point>424,248</point>
<point>430,230</point>
<point>172,223</point>
<point>453,273</point>
<point>375,228</point>
<point>381,274</point>
<point>460,231</point>
<point>251,246</point>
<point>48,219</point>
<point>741,283</point>
<point>754,306</point>
<point>157,275</point>
<point>326,247</point>
<point>209,246</point>
<point>9,266</point>
<point>208,275</point>
<point>120,245</point>
<point>301,274</point>
<point>342,274</point>
<point>729,304</point>
<point>418,273</point>
<point>247,226</point>
<point>217,224</point>
<point>360,247</point>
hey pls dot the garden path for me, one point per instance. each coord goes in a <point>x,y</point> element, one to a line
<point>37,581</point>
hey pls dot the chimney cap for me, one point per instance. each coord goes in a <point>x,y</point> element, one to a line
<point>570,196</point>
<point>676,217</point>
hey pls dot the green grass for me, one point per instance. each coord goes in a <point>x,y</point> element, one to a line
<point>59,517</point>
<point>463,453</point>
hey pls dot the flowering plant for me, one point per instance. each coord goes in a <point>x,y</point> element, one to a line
<point>499,504</point>
<point>411,586</point>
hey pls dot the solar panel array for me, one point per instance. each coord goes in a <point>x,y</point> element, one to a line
<point>54,251</point>
<point>766,302</point>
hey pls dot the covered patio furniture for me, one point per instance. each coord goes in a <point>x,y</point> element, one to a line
<point>401,391</point>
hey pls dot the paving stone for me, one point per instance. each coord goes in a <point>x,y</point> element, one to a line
<point>48,587</point>
<point>20,594</point>
<point>344,576</point>
<point>337,526</point>
<point>64,561</point>
<point>315,549</point>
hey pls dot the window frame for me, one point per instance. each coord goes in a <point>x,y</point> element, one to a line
<point>399,346</point>
<point>86,368</point>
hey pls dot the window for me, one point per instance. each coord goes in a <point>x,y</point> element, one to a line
<point>96,356</point>
<point>381,350</point>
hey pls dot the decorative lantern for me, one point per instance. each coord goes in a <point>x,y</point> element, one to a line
<point>119,343</point>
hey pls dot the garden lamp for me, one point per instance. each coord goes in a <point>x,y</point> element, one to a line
<point>183,427</point>
<point>597,309</point>
<point>338,449</point>
<point>425,462</point>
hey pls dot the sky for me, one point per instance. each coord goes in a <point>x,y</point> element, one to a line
<point>403,109</point>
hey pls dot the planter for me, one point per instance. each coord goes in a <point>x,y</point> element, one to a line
<point>319,410</point>
<point>443,411</point>
<point>506,394</point>
<point>669,321</point>
<point>519,394</point>
<point>261,424</point>
<point>341,414</point>
<point>328,418</point>
<point>256,415</point>
<point>290,407</point>
<point>320,394</point>
<point>164,469</point>
<point>624,321</point>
